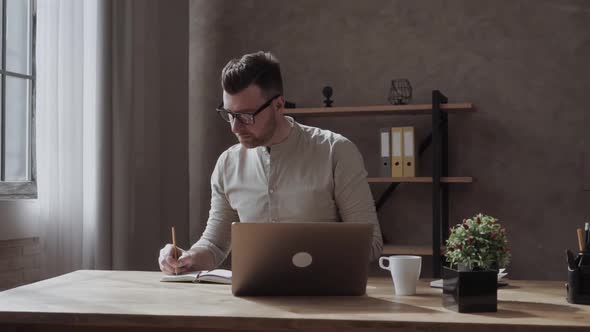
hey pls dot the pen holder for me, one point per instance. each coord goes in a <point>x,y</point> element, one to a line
<point>578,280</point>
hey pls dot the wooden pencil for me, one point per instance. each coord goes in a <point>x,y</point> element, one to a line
<point>580,239</point>
<point>174,243</point>
<point>174,254</point>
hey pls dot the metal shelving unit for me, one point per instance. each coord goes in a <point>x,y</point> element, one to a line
<point>438,141</point>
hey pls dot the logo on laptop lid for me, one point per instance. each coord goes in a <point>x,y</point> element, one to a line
<point>302,259</point>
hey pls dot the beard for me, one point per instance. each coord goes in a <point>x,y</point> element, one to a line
<point>250,140</point>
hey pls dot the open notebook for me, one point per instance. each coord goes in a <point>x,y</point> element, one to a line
<point>218,276</point>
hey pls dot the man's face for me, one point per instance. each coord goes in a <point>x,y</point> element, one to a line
<point>265,122</point>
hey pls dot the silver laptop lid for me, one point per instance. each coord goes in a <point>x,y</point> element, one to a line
<point>300,258</point>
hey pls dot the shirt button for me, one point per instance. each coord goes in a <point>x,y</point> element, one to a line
<point>272,191</point>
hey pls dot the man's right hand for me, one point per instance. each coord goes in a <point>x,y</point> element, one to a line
<point>170,265</point>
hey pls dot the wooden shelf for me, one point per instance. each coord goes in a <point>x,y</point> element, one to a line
<point>378,110</point>
<point>423,179</point>
<point>424,250</point>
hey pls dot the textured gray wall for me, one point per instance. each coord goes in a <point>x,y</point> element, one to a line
<point>524,64</point>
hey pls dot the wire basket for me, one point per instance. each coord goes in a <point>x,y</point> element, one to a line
<point>400,92</point>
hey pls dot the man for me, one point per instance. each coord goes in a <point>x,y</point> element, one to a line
<point>281,171</point>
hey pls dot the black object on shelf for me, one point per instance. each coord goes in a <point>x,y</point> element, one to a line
<point>578,280</point>
<point>289,104</point>
<point>400,92</point>
<point>470,291</point>
<point>327,92</point>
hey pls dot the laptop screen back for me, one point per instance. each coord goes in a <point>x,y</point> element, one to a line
<point>300,258</point>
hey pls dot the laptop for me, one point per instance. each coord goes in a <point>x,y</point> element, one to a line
<point>313,258</point>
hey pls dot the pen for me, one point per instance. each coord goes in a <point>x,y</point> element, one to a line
<point>580,239</point>
<point>174,247</point>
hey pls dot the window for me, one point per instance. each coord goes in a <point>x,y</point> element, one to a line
<point>17,102</point>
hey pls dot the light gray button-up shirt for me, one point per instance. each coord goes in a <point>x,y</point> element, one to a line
<point>314,175</point>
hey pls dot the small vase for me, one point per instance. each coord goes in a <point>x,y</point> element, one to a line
<point>470,291</point>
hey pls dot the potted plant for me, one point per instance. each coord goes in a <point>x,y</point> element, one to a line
<point>475,250</point>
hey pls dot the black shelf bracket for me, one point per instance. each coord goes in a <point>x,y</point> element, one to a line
<point>383,198</point>
<point>440,191</point>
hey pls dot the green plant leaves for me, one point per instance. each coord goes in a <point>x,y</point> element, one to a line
<point>479,242</point>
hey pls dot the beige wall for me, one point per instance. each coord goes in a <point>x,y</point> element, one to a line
<point>523,63</point>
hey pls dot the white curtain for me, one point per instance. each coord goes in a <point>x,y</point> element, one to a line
<point>73,134</point>
<point>112,131</point>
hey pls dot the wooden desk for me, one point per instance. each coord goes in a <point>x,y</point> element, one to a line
<point>137,301</point>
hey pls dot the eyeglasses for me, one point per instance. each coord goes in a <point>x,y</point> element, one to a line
<point>243,117</point>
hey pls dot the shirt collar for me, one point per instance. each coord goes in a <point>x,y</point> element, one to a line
<point>289,143</point>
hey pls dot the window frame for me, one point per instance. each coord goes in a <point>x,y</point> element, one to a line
<point>19,189</point>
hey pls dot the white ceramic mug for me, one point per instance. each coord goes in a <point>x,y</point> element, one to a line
<point>405,271</point>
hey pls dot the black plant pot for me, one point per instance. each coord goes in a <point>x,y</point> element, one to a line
<point>470,291</point>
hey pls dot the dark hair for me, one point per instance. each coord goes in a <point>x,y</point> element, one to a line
<point>260,68</point>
